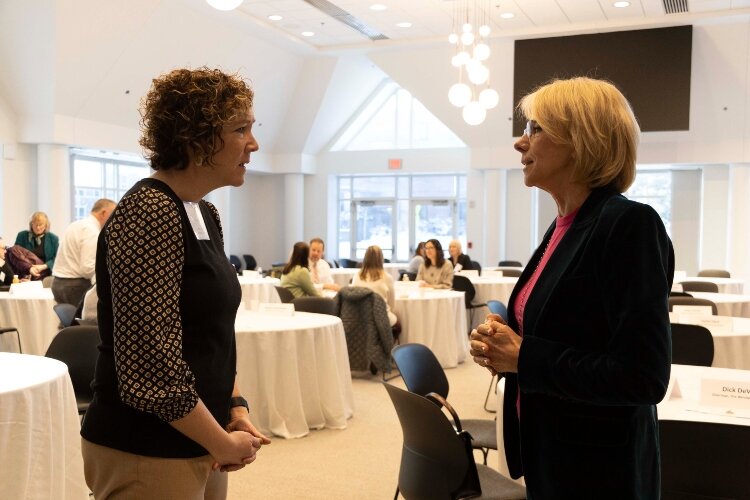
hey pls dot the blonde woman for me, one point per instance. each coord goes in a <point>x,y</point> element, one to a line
<point>373,276</point>
<point>460,261</point>
<point>39,240</point>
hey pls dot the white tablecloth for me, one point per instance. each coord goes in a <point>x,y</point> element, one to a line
<point>343,275</point>
<point>34,317</point>
<point>294,371</point>
<point>726,285</point>
<point>491,289</point>
<point>728,304</point>
<point>257,290</point>
<point>40,444</point>
<point>435,318</point>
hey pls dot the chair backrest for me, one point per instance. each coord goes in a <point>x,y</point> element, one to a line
<point>235,261</point>
<point>679,294</point>
<point>250,263</point>
<point>704,460</point>
<point>8,342</point>
<point>714,273</point>
<point>509,263</point>
<point>77,347</point>
<point>349,263</point>
<point>699,286</point>
<point>319,305</point>
<point>476,266</point>
<point>412,276</point>
<point>692,301</point>
<point>692,345</point>
<point>497,307</point>
<point>284,294</point>
<point>513,273</point>
<point>66,313</point>
<point>463,284</point>
<point>420,369</point>
<point>434,461</point>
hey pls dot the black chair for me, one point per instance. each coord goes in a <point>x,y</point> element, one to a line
<point>284,294</point>
<point>509,263</point>
<point>476,266</point>
<point>435,463</point>
<point>512,273</point>
<point>66,313</point>
<point>463,284</point>
<point>714,273</point>
<point>9,329</point>
<point>402,272</point>
<point>77,347</point>
<point>692,301</point>
<point>319,305</point>
<point>679,294</point>
<point>349,263</point>
<point>235,261</point>
<point>692,345</point>
<point>699,286</point>
<point>250,263</point>
<point>336,263</point>
<point>704,460</point>
<point>423,374</point>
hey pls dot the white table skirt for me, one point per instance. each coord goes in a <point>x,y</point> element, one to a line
<point>435,318</point>
<point>726,285</point>
<point>294,371</point>
<point>491,289</point>
<point>34,317</point>
<point>257,290</point>
<point>343,275</point>
<point>728,304</point>
<point>40,450</point>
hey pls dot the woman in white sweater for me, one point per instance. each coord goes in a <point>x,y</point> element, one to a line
<point>373,276</point>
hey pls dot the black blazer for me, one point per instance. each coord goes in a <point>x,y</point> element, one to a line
<point>7,274</point>
<point>595,357</point>
<point>464,260</point>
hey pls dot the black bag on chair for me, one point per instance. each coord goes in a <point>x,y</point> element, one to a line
<point>470,488</point>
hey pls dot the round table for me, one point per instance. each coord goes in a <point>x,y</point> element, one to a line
<point>40,456</point>
<point>731,347</point>
<point>34,317</point>
<point>256,290</point>
<point>728,304</point>
<point>726,285</point>
<point>491,288</point>
<point>435,318</point>
<point>294,371</point>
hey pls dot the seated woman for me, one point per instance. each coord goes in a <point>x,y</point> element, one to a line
<point>296,276</point>
<point>373,276</point>
<point>40,241</point>
<point>460,260</point>
<point>435,272</point>
<point>417,260</point>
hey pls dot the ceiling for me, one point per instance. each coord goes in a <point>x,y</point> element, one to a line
<point>432,20</point>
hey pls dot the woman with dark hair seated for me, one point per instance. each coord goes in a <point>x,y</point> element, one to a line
<point>296,275</point>
<point>436,272</point>
<point>417,260</point>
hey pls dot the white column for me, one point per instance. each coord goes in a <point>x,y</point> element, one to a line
<point>53,185</point>
<point>714,238</point>
<point>495,209</point>
<point>294,207</point>
<point>738,233</point>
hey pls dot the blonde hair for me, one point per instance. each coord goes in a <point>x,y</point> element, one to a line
<point>596,120</point>
<point>36,216</point>
<point>457,244</point>
<point>372,264</point>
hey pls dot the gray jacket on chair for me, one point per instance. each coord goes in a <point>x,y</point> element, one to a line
<point>369,337</point>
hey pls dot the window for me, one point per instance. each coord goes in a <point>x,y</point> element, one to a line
<point>654,187</point>
<point>396,212</point>
<point>393,119</point>
<point>101,174</point>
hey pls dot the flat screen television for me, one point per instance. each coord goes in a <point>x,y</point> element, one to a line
<point>651,67</point>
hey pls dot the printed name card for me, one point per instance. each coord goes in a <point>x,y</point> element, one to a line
<point>726,393</point>
<point>677,287</point>
<point>250,274</point>
<point>469,273</point>
<point>492,273</point>
<point>277,309</point>
<point>691,311</point>
<point>717,324</point>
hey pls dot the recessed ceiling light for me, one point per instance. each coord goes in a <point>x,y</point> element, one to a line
<point>621,5</point>
<point>275,17</point>
<point>404,25</point>
<point>378,6</point>
<point>308,33</point>
<point>507,15</point>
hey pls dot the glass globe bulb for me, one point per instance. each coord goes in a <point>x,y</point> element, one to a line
<point>489,98</point>
<point>474,113</point>
<point>453,39</point>
<point>467,28</point>
<point>461,58</point>
<point>472,64</point>
<point>459,94</point>
<point>479,74</point>
<point>484,30</point>
<point>224,4</point>
<point>467,38</point>
<point>481,52</point>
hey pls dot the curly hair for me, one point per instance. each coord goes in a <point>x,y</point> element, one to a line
<point>184,112</point>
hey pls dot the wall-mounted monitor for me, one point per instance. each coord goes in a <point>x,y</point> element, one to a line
<point>651,67</point>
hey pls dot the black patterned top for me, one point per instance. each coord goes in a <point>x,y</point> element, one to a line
<point>167,305</point>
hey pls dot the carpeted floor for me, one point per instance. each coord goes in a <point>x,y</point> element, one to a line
<point>360,462</point>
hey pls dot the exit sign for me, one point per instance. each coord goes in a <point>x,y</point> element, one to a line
<point>394,163</point>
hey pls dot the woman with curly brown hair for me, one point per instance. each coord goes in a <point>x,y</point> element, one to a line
<point>167,418</point>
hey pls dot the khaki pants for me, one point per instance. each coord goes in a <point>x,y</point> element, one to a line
<point>117,475</point>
